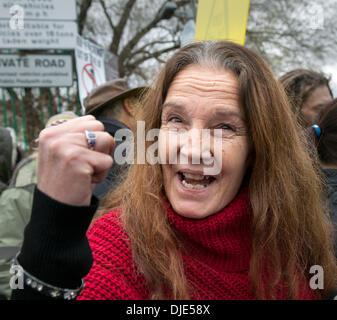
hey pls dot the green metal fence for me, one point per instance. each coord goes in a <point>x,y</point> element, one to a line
<point>27,110</point>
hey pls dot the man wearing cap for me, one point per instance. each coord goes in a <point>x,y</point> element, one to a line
<point>113,103</point>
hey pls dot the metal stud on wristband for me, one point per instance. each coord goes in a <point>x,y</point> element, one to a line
<point>45,288</point>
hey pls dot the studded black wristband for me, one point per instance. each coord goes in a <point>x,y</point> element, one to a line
<point>45,288</point>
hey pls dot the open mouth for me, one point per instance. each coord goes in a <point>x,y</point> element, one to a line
<point>194,181</point>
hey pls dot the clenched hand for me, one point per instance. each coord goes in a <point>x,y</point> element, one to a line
<point>67,168</point>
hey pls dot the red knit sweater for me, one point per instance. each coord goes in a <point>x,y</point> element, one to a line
<point>216,264</point>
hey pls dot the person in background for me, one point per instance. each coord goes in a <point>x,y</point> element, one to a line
<point>324,133</point>
<point>16,206</point>
<point>114,104</point>
<point>308,93</point>
<point>8,156</point>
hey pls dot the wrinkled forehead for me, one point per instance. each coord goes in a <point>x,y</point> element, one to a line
<point>203,86</point>
<point>205,77</point>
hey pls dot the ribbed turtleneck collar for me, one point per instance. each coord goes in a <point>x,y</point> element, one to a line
<point>221,240</point>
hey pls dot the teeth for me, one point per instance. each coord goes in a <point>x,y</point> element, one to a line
<point>194,176</point>
<point>194,186</point>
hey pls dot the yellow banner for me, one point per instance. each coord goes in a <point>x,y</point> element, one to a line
<point>222,20</point>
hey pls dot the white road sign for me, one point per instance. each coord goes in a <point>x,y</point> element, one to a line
<point>89,66</point>
<point>38,24</point>
<point>36,70</point>
<point>39,35</point>
<point>40,9</point>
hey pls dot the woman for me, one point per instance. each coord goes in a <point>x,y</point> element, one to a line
<point>325,138</point>
<point>308,92</point>
<point>250,230</point>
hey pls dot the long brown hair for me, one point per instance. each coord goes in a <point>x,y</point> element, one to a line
<point>290,231</point>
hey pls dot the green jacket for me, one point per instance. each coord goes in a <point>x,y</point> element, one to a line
<point>15,210</point>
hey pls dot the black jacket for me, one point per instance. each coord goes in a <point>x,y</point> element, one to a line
<point>331,178</point>
<point>116,173</point>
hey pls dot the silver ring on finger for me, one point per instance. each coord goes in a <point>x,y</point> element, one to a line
<point>91,139</point>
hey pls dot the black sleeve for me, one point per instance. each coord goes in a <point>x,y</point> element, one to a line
<point>55,247</point>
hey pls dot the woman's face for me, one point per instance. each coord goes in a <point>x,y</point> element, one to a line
<point>202,98</point>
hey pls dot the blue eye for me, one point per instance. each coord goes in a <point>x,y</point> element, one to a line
<point>226,127</point>
<point>175,119</point>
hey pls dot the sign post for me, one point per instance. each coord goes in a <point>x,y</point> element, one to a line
<point>90,67</point>
<point>36,70</point>
<point>28,28</point>
<point>40,9</point>
<point>42,24</point>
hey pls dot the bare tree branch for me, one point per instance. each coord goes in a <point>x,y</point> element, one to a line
<point>118,30</point>
<point>127,49</point>
<point>140,72</point>
<point>150,56</point>
<point>106,13</point>
<point>83,14</point>
<point>160,60</point>
<point>142,49</point>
